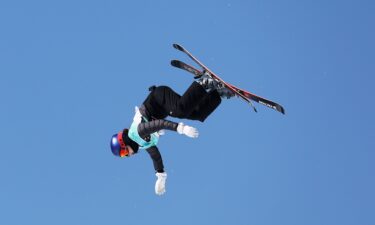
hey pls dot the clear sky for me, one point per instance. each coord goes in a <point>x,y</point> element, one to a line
<point>71,73</point>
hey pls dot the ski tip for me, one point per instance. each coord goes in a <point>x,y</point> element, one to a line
<point>178,47</point>
<point>175,63</point>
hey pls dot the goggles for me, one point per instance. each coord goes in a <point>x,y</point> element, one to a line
<point>124,151</point>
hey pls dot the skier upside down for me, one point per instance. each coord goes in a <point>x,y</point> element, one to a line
<point>197,103</point>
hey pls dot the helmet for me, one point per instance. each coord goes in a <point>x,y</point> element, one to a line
<point>118,145</point>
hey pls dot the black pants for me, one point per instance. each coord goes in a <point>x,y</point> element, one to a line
<point>194,104</point>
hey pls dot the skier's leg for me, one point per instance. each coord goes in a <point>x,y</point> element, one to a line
<point>195,104</point>
<point>206,106</point>
<point>187,103</point>
<point>172,104</point>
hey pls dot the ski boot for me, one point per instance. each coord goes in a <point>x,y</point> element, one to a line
<point>210,83</point>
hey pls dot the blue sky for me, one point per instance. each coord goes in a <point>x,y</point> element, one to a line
<point>71,73</point>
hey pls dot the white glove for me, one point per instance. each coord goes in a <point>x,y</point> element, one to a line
<point>187,130</point>
<point>160,183</point>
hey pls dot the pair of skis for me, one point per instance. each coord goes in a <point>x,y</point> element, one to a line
<point>245,95</point>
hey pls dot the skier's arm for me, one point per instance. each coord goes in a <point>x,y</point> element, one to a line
<point>147,128</point>
<point>159,169</point>
<point>156,159</point>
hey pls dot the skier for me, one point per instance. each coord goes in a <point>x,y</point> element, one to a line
<point>197,103</point>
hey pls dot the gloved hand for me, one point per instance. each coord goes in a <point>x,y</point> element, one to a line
<point>187,130</point>
<point>160,183</point>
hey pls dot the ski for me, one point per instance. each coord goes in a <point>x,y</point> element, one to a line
<point>261,100</point>
<point>184,66</point>
<point>206,69</point>
<point>240,92</point>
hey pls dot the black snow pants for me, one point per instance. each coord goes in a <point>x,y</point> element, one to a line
<point>195,104</point>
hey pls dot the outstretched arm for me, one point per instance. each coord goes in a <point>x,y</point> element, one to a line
<point>147,128</point>
<point>156,159</point>
<point>159,168</point>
